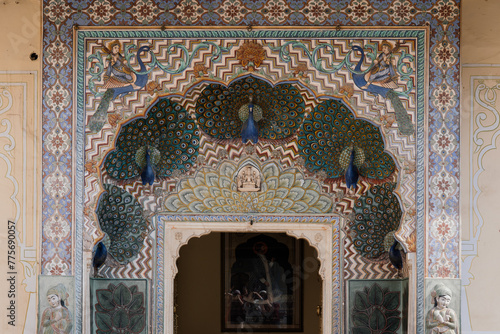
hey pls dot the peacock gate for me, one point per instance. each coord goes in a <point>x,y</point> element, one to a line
<point>315,133</point>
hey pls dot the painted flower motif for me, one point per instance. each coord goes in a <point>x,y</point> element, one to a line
<point>276,11</point>
<point>56,267</point>
<point>444,185</point>
<point>58,54</point>
<point>444,54</point>
<point>251,54</point>
<point>443,141</point>
<point>402,12</point>
<point>145,11</point>
<point>57,184</point>
<point>359,11</point>
<point>200,70</point>
<point>57,142</point>
<point>101,11</point>
<point>91,166</point>
<point>442,271</point>
<point>189,11</point>
<point>443,97</point>
<point>446,11</point>
<point>58,98</point>
<point>281,191</point>
<point>57,11</point>
<point>56,228</point>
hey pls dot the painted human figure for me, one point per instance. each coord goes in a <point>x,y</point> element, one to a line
<point>383,72</point>
<point>441,319</point>
<point>56,319</point>
<point>118,72</point>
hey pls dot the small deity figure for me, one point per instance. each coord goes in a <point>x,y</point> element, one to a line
<point>56,319</point>
<point>441,319</point>
<point>382,73</point>
<point>248,179</point>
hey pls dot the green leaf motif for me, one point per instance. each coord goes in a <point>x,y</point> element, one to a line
<point>376,295</point>
<point>120,318</point>
<point>105,299</point>
<point>393,324</point>
<point>122,295</point>
<point>361,330</point>
<point>137,302</point>
<point>137,323</point>
<point>377,320</point>
<point>103,321</point>
<point>360,319</point>
<point>391,301</point>
<point>361,301</point>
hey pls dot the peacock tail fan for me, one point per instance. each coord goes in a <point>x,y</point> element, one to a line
<point>405,126</point>
<point>171,136</point>
<point>377,213</point>
<point>121,217</point>
<point>328,136</point>
<point>99,118</point>
<point>278,110</point>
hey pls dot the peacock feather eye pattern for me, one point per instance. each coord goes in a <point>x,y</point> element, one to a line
<point>121,217</point>
<point>167,131</point>
<point>376,214</point>
<point>331,132</point>
<point>278,110</point>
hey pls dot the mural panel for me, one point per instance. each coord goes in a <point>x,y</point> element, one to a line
<point>190,121</point>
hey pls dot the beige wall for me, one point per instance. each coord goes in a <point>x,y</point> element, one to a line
<point>480,59</point>
<point>199,290</point>
<point>20,160</point>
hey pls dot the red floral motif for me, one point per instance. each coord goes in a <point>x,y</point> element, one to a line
<point>56,228</point>
<point>56,271</point>
<point>188,11</point>
<point>57,142</point>
<point>443,272</point>
<point>443,98</point>
<point>317,10</point>
<point>446,10</point>
<point>101,11</point>
<point>57,54</point>
<point>443,185</point>
<point>276,11</point>
<point>359,11</point>
<point>57,11</point>
<point>144,10</point>
<point>402,11</point>
<point>57,98</point>
<point>444,55</point>
<point>232,11</point>
<point>443,229</point>
<point>443,142</point>
<point>58,186</point>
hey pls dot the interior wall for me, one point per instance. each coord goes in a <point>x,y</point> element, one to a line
<point>199,289</point>
<point>479,130</point>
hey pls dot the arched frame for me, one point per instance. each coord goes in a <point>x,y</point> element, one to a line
<point>321,232</point>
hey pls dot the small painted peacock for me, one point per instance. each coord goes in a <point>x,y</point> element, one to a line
<point>153,147</point>
<point>332,140</point>
<point>377,215</point>
<point>251,109</point>
<point>121,218</point>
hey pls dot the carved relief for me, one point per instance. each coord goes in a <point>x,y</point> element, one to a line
<point>249,179</point>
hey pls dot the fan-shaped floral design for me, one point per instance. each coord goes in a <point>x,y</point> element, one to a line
<point>216,191</point>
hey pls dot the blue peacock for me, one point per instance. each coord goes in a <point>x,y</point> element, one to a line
<point>405,126</point>
<point>332,140</point>
<point>250,109</point>
<point>152,147</point>
<point>121,218</point>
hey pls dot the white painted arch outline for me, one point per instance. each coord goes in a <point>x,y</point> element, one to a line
<point>320,235</point>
